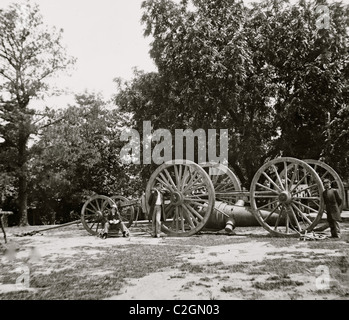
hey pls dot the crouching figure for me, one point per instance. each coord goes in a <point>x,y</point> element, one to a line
<point>112,220</point>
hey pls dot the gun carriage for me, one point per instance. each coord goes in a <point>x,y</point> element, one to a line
<point>285,198</point>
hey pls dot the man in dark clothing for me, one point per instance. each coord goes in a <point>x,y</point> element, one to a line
<point>113,218</point>
<point>333,202</point>
<point>156,203</point>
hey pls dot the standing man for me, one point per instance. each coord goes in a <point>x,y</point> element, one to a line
<point>333,202</point>
<point>156,202</point>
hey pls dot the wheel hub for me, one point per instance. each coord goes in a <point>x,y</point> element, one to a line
<point>176,198</point>
<point>285,197</point>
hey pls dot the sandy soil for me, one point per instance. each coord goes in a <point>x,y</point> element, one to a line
<point>171,284</point>
<point>174,284</point>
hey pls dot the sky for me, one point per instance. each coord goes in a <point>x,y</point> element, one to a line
<point>106,37</point>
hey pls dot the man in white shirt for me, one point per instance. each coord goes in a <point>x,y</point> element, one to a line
<point>156,206</point>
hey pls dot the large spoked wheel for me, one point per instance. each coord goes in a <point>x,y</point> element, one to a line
<point>286,197</point>
<point>226,184</point>
<point>127,211</point>
<point>93,211</point>
<point>326,172</point>
<point>188,199</point>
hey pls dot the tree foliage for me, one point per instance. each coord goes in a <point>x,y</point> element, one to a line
<point>269,72</point>
<point>79,155</point>
<point>30,53</point>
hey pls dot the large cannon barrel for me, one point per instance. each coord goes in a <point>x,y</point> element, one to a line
<point>227,216</point>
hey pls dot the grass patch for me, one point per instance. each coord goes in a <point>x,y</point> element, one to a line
<point>191,268</point>
<point>228,289</point>
<point>188,285</point>
<point>207,279</point>
<point>79,279</point>
<point>278,284</point>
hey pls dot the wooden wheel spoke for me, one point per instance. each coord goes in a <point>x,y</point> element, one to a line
<point>178,176</point>
<point>295,172</point>
<point>266,187</point>
<point>214,177</point>
<point>198,203</point>
<point>302,215</point>
<point>170,179</point>
<point>189,217</point>
<point>189,183</point>
<point>278,176</point>
<point>193,182</point>
<point>197,197</point>
<point>168,208</point>
<point>286,176</point>
<point>295,218</point>
<point>271,213</point>
<point>305,206</point>
<point>294,192</point>
<point>91,204</point>
<point>278,218</point>
<point>175,220</point>
<point>272,181</point>
<point>265,196</point>
<point>308,198</point>
<point>226,188</point>
<point>195,187</point>
<point>105,205</point>
<point>318,204</point>
<point>193,211</point>
<point>98,205</point>
<point>88,209</point>
<point>224,181</point>
<point>166,184</point>
<point>298,183</point>
<point>185,177</point>
<point>268,204</point>
<point>324,175</point>
<point>194,198</point>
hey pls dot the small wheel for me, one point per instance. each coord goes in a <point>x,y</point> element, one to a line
<point>325,171</point>
<point>127,211</point>
<point>189,197</point>
<point>224,180</point>
<point>286,197</point>
<point>93,211</point>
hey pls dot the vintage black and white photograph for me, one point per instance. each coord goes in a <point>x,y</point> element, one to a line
<point>190,151</point>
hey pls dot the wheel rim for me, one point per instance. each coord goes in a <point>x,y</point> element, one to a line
<point>189,198</point>
<point>224,181</point>
<point>286,197</point>
<point>93,211</point>
<point>126,211</point>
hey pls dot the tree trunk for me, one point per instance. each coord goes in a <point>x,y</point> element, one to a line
<point>22,201</point>
<point>22,177</point>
